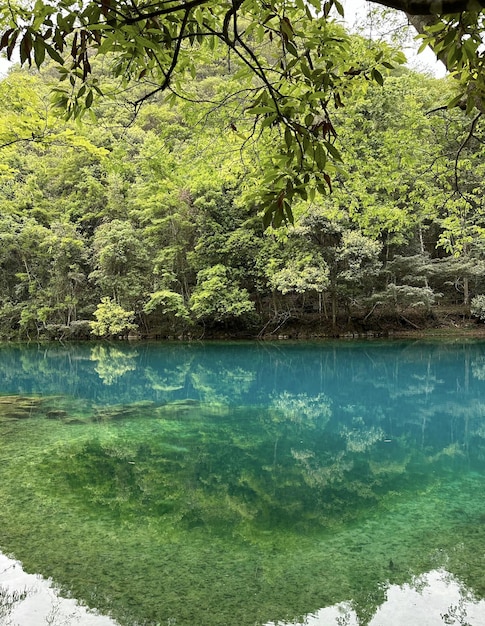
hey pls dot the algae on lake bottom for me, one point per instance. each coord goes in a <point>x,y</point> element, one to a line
<point>229,518</point>
<point>193,504</point>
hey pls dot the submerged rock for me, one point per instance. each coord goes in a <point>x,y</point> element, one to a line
<point>177,407</point>
<point>19,407</point>
<point>123,411</point>
<point>56,414</point>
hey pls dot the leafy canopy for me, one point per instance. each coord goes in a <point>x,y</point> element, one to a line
<point>294,63</point>
<point>112,320</point>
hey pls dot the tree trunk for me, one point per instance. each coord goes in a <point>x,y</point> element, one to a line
<point>423,251</point>
<point>334,310</point>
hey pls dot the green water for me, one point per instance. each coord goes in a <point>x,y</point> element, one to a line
<point>239,484</point>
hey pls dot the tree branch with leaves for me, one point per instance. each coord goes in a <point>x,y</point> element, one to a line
<point>293,53</point>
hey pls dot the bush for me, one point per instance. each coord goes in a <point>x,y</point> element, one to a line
<point>80,329</point>
<point>477,307</point>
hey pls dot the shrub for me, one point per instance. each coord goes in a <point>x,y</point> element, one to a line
<point>477,307</point>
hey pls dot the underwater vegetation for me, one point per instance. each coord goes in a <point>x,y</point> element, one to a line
<point>243,484</point>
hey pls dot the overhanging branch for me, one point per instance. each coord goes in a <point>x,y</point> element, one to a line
<point>183,7</point>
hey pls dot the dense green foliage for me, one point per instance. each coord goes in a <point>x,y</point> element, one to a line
<point>154,224</point>
<point>295,63</point>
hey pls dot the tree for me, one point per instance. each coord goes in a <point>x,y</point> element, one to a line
<point>351,259</point>
<point>296,64</point>
<point>112,320</point>
<point>478,307</point>
<point>302,275</point>
<point>122,263</point>
<point>66,250</point>
<point>141,214</point>
<point>389,189</point>
<point>218,298</point>
<point>148,36</point>
<point>295,67</point>
<point>170,306</point>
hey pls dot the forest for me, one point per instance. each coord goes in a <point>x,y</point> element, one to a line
<point>149,221</point>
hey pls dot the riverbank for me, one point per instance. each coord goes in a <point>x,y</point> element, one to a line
<point>450,321</point>
<point>440,322</point>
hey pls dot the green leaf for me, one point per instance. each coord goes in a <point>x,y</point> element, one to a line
<point>26,48</point>
<point>333,151</point>
<point>292,49</point>
<point>267,218</point>
<point>89,99</point>
<point>424,46</point>
<point>39,51</point>
<point>288,137</point>
<point>305,69</point>
<point>288,213</point>
<point>278,217</point>
<point>317,95</point>
<point>316,4</point>
<point>377,76</point>
<point>286,29</point>
<point>436,28</point>
<point>320,156</point>
<point>309,119</point>
<point>54,55</point>
<point>269,120</point>
<point>455,101</point>
<point>339,7</point>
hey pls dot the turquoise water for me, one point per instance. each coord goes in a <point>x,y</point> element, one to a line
<point>228,484</point>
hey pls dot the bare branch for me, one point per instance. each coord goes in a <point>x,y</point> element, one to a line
<point>173,64</point>
<point>33,138</point>
<point>184,6</point>
<point>463,145</point>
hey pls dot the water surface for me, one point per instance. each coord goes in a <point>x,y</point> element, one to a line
<point>248,484</point>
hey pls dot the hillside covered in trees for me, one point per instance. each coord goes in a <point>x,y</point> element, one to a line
<point>151,223</point>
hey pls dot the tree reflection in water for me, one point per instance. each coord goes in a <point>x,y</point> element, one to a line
<point>224,484</point>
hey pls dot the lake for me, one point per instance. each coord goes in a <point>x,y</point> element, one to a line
<point>248,484</point>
